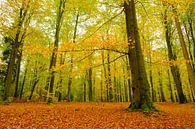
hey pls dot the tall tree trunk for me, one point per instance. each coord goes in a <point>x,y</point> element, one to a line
<point>172,57</point>
<point>190,70</point>
<point>71,60</point>
<point>162,96</point>
<point>125,86</point>
<point>90,84</point>
<point>59,92</point>
<point>189,45</point>
<point>18,73</point>
<point>18,40</point>
<point>102,85</point>
<point>35,81</point>
<point>170,87</point>
<point>70,80</point>
<point>115,83</point>
<point>151,78</point>
<point>191,29</point>
<point>8,78</point>
<point>58,24</point>
<point>84,90</point>
<point>141,88</point>
<point>109,81</point>
<point>129,80</point>
<point>105,76</point>
<point>24,79</point>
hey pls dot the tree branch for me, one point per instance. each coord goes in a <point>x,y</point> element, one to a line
<point>103,25</point>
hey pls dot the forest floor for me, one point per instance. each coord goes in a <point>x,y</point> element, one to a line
<point>94,116</point>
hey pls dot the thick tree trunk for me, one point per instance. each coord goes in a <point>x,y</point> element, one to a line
<point>141,88</point>
<point>18,39</point>
<point>8,78</point>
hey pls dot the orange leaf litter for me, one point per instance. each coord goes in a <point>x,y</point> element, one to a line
<point>77,115</point>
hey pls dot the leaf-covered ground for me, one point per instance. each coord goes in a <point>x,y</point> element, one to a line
<point>94,116</point>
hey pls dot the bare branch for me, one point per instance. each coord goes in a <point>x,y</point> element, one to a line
<point>96,49</point>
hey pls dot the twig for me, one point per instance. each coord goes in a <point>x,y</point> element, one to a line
<point>109,62</point>
<point>103,25</point>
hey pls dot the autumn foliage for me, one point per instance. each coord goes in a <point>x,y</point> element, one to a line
<point>94,116</point>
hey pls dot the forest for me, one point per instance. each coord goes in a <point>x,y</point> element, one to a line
<point>117,63</point>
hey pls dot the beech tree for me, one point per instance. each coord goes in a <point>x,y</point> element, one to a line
<point>140,85</point>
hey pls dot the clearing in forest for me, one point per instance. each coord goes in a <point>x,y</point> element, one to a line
<point>94,116</point>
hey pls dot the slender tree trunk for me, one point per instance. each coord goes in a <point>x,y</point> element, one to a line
<point>150,74</point>
<point>102,85</point>
<point>170,87</point>
<point>105,76</point>
<point>23,82</point>
<point>125,86</point>
<point>72,64</point>
<point>191,29</point>
<point>141,88</point>
<point>90,84</point>
<point>18,74</point>
<point>58,24</point>
<point>162,98</point>
<point>70,80</point>
<point>190,70</point>
<point>189,45</point>
<point>33,88</point>
<point>59,92</point>
<point>115,83</point>
<point>109,81</point>
<point>84,89</point>
<point>24,79</point>
<point>129,80</point>
<point>172,57</point>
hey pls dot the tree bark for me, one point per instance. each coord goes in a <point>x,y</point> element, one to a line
<point>190,71</point>
<point>170,87</point>
<point>18,40</point>
<point>89,76</point>
<point>58,24</point>
<point>71,60</point>
<point>172,57</point>
<point>141,88</point>
<point>18,74</point>
<point>162,96</point>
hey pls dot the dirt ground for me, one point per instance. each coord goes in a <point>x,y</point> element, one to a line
<point>94,116</point>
